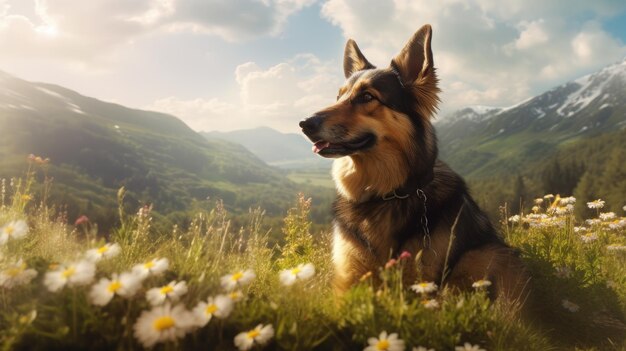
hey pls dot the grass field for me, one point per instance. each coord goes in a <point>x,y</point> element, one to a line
<point>317,177</point>
<point>212,286</point>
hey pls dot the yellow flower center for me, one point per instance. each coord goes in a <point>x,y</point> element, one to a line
<point>164,323</point>
<point>103,249</point>
<point>167,289</point>
<point>237,276</point>
<point>68,272</point>
<point>148,265</point>
<point>253,333</point>
<point>234,295</point>
<point>295,271</point>
<point>114,286</point>
<point>210,309</point>
<point>9,230</point>
<point>382,345</point>
<point>14,271</point>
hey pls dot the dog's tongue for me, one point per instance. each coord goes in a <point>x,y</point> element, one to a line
<point>320,145</point>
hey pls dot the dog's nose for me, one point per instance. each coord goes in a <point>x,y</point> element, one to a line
<point>312,124</point>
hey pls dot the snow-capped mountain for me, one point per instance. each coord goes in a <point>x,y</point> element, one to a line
<point>479,139</point>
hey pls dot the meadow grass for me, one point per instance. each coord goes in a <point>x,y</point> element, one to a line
<point>579,285</point>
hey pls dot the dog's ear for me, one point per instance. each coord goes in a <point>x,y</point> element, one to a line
<point>415,61</point>
<point>353,59</point>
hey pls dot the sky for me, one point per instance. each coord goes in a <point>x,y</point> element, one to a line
<point>227,65</point>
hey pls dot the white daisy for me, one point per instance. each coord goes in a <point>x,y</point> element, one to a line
<point>257,336</point>
<point>548,196</point>
<point>568,201</point>
<point>75,274</point>
<point>104,251</point>
<point>424,287</point>
<point>155,266</point>
<point>589,237</point>
<point>422,348</point>
<point>237,279</point>
<point>385,342</point>
<point>482,283</point>
<point>514,219</point>
<point>538,201</point>
<point>301,272</point>
<point>607,216</point>
<point>13,230</point>
<point>570,306</point>
<point>596,204</point>
<point>430,304</point>
<point>16,274</point>
<point>468,347</point>
<point>124,285</point>
<point>172,292</point>
<point>163,323</point>
<point>219,306</point>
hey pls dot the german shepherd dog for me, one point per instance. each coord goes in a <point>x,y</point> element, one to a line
<point>393,194</point>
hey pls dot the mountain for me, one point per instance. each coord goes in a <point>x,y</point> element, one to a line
<point>284,150</point>
<point>96,147</point>
<point>480,142</point>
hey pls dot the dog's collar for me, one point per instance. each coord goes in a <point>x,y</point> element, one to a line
<point>409,189</point>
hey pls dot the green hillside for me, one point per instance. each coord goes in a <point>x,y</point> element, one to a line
<point>96,147</point>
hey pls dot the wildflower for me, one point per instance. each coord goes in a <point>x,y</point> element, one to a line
<point>405,255</point>
<point>81,220</point>
<point>567,201</point>
<point>235,296</point>
<point>172,292</point>
<point>422,348</point>
<point>424,287</point>
<point>607,216</point>
<point>592,222</point>
<point>124,285</point>
<point>365,276</point>
<point>13,230</point>
<point>392,262</point>
<point>589,237</point>
<point>16,274</point>
<point>535,209</point>
<point>615,247</point>
<point>563,272</point>
<point>468,347</point>
<point>596,204</point>
<point>219,306</point>
<point>570,306</point>
<point>538,201</point>
<point>624,208</point>
<point>580,229</point>
<point>237,279</point>
<point>163,323</point>
<point>301,272</point>
<point>563,210</point>
<point>386,343</point>
<point>430,304</point>
<point>155,266</point>
<point>514,219</point>
<point>257,336</point>
<point>104,251</point>
<point>482,283</point>
<point>548,196</point>
<point>75,274</point>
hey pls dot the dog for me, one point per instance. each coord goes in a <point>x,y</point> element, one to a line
<point>393,194</point>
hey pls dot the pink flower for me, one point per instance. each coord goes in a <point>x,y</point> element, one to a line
<point>392,262</point>
<point>405,255</point>
<point>81,220</point>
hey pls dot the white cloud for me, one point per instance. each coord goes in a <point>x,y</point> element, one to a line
<point>487,53</point>
<point>278,96</point>
<point>93,31</point>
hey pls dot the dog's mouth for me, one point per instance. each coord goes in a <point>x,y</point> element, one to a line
<point>331,149</point>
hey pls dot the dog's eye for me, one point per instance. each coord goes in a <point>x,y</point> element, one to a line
<point>363,98</point>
